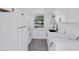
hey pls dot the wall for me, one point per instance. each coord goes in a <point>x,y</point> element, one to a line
<point>8,31</point>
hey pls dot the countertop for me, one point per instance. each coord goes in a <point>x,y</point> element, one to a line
<point>57,35</point>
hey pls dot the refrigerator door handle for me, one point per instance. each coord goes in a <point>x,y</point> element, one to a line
<point>22,27</point>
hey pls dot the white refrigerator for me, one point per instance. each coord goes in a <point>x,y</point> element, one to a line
<point>23,31</point>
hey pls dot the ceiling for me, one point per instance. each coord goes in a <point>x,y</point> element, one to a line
<point>38,10</point>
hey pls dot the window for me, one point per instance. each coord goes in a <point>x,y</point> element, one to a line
<point>39,21</point>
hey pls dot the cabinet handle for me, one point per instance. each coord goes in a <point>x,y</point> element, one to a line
<point>51,44</point>
<point>30,34</point>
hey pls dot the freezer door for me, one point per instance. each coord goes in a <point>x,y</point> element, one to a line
<point>22,19</point>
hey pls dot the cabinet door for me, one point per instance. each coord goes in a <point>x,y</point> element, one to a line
<point>23,38</point>
<point>61,14</point>
<point>73,15</point>
<point>8,31</point>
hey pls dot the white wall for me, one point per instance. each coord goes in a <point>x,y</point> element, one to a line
<point>8,31</point>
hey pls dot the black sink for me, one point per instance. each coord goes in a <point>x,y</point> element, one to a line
<point>52,31</point>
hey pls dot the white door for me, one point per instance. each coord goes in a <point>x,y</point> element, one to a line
<point>23,38</point>
<point>8,31</point>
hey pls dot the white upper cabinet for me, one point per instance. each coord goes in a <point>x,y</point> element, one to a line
<point>73,15</point>
<point>61,14</point>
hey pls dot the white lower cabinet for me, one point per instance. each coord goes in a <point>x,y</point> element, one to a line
<point>23,37</point>
<point>51,44</point>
